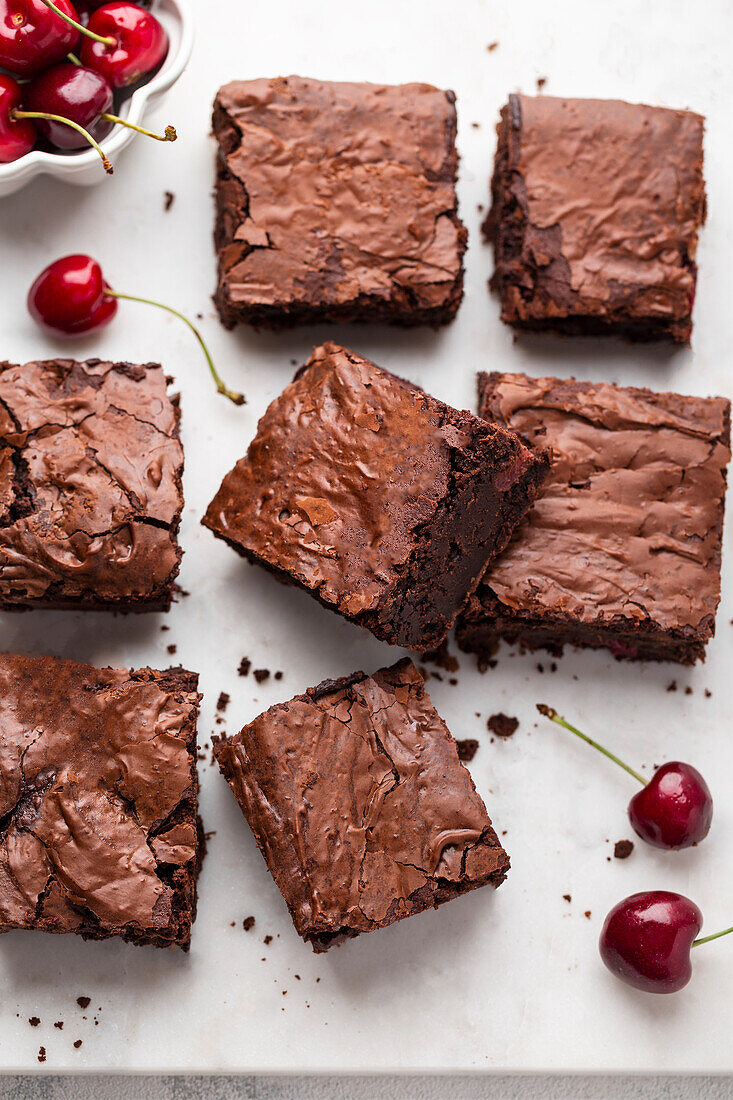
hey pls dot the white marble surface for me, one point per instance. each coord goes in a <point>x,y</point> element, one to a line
<point>509,981</point>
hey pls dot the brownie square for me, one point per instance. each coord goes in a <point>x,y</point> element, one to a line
<point>380,501</point>
<point>596,210</point>
<point>336,202</point>
<point>623,549</point>
<point>90,486</point>
<point>99,833</point>
<point>360,805</point>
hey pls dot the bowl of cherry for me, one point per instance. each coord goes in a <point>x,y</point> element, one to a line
<point>77,78</point>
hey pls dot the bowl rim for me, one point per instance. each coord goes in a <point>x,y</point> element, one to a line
<point>40,161</point>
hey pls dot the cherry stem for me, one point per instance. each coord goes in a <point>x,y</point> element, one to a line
<point>74,60</point>
<point>74,126</point>
<point>236,398</point>
<point>169,135</point>
<point>555,717</point>
<point>715,936</point>
<point>78,26</point>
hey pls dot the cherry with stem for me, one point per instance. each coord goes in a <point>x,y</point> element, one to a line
<point>107,41</point>
<point>673,810</point>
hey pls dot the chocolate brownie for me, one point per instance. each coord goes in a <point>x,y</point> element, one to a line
<point>360,805</point>
<point>90,486</point>
<point>596,210</point>
<point>623,549</point>
<point>99,832</point>
<point>337,202</point>
<point>378,500</point>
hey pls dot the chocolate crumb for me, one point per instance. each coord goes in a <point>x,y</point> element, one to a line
<point>41,1054</point>
<point>182,592</point>
<point>541,81</point>
<point>232,924</point>
<point>83,1002</point>
<point>482,663</point>
<point>502,725</point>
<point>77,1044</point>
<point>453,681</point>
<point>587,914</point>
<point>672,686</point>
<point>567,898</point>
<point>244,666</point>
<point>34,1021</point>
<point>164,628</point>
<point>168,200</point>
<point>222,702</point>
<point>467,748</point>
<point>442,658</point>
<point>622,849</point>
<point>261,674</point>
<point>172,649</point>
<point>248,924</point>
<point>267,940</point>
<point>59,1024</point>
<point>540,668</point>
<point>688,690</point>
<point>708,693</point>
<point>297,977</point>
<point>492,46</point>
<point>278,675</point>
<point>476,125</point>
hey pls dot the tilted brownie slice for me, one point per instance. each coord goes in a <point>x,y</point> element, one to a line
<point>99,833</point>
<point>360,805</point>
<point>597,205</point>
<point>382,502</point>
<point>336,202</point>
<point>90,486</point>
<point>623,549</point>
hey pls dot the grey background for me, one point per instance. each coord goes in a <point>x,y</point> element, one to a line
<point>362,1088</point>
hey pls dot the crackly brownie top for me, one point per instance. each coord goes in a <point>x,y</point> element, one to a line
<point>93,765</point>
<point>333,191</point>
<point>347,464</point>
<point>629,523</point>
<point>614,197</point>
<point>90,481</point>
<point>358,800</point>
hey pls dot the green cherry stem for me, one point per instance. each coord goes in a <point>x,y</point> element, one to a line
<point>74,126</point>
<point>169,135</point>
<point>236,398</point>
<point>560,721</point>
<point>74,60</point>
<point>78,26</point>
<point>715,936</point>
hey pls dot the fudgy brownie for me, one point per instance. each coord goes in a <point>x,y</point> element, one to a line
<point>336,202</point>
<point>596,210</point>
<point>382,502</point>
<point>623,548</point>
<point>90,486</point>
<point>360,805</point>
<point>99,833</point>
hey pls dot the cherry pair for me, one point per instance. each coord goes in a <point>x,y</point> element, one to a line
<point>122,41</point>
<point>71,297</point>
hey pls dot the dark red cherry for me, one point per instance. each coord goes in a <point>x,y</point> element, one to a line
<point>141,43</point>
<point>17,136</point>
<point>32,36</point>
<point>646,940</point>
<point>74,93</point>
<point>674,809</point>
<point>69,296</point>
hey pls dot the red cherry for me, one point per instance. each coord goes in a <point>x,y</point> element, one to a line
<point>32,36</point>
<point>71,296</point>
<point>74,93</point>
<point>646,940</point>
<point>17,136</point>
<point>141,43</point>
<point>674,809</point>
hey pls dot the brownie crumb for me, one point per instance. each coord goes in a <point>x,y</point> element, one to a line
<point>222,702</point>
<point>483,663</point>
<point>248,924</point>
<point>34,1021</point>
<point>168,200</point>
<point>688,690</point>
<point>164,628</point>
<point>587,914</point>
<point>172,649</point>
<point>476,125</point>
<point>541,81</point>
<point>502,725</point>
<point>567,898</point>
<point>59,1024</point>
<point>77,1044</point>
<point>181,592</point>
<point>622,849</point>
<point>492,46</point>
<point>244,666</point>
<point>442,658</point>
<point>278,675</point>
<point>540,668</point>
<point>672,686</point>
<point>267,940</point>
<point>467,748</point>
<point>41,1054</point>
<point>261,674</point>
<point>83,1002</point>
<point>708,693</point>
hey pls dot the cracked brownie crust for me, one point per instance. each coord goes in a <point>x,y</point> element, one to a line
<point>380,501</point>
<point>90,486</point>
<point>623,549</point>
<point>336,202</point>
<point>596,210</point>
<point>99,833</point>
<point>360,805</point>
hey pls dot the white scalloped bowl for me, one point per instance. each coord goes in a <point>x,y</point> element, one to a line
<point>84,167</point>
